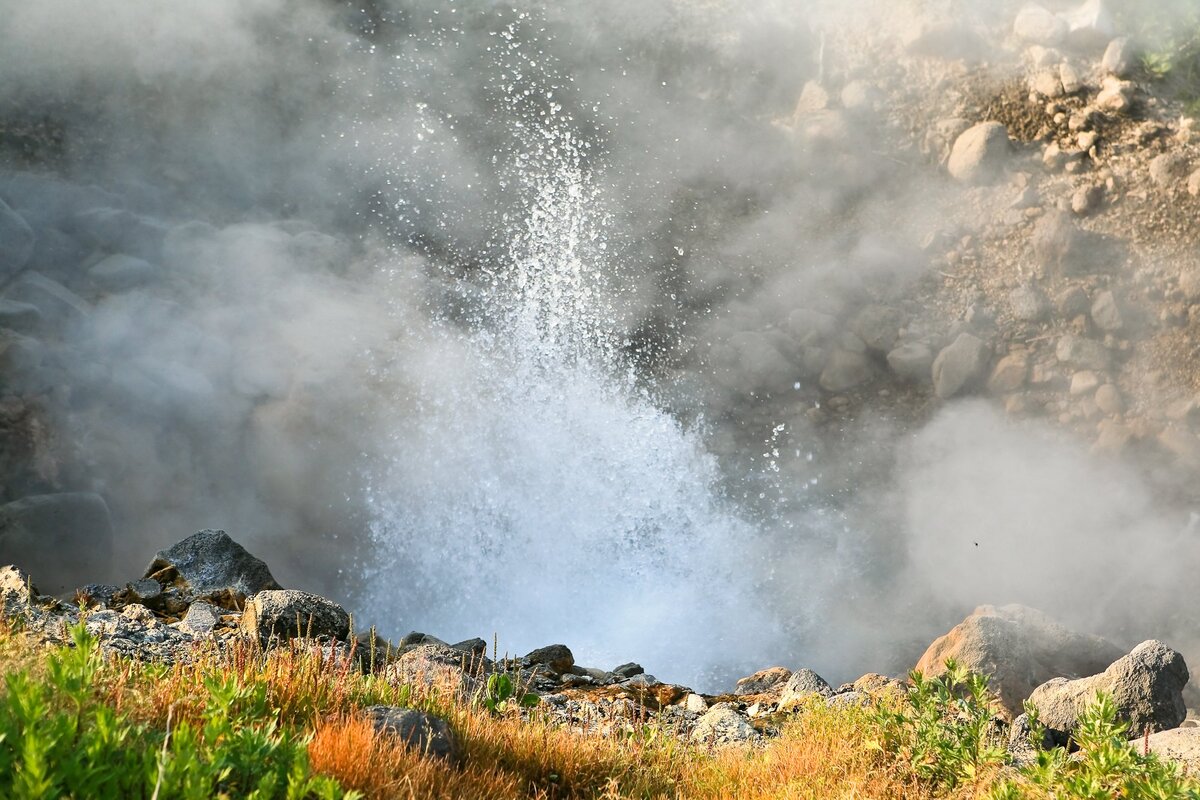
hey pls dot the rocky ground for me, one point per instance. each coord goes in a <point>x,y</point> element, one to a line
<point>207,591</point>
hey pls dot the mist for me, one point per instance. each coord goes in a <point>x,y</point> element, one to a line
<point>505,319</point>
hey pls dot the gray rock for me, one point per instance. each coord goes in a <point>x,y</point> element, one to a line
<point>959,366</point>
<point>1106,313</point>
<point>628,670</point>
<point>1020,648</point>
<point>16,242</point>
<point>1036,25</point>
<point>1071,82</point>
<point>1118,58</point>
<point>851,699</point>
<point>63,540</point>
<point>20,317</point>
<point>96,594</point>
<point>1181,745</point>
<point>1084,382</point>
<point>120,273</point>
<point>1167,169</point>
<point>860,96</point>
<point>1047,83</point>
<point>144,591</point>
<point>695,703</point>
<point>557,657</point>
<point>1082,353</point>
<point>722,725</point>
<point>473,647</point>
<point>1189,283</point>
<point>422,732</point>
<point>16,585</point>
<point>845,370</point>
<point>1028,304</point>
<point>877,326</point>
<point>1085,199</point>
<point>281,614</point>
<point>803,684</point>
<point>1116,96</point>
<point>1089,25</point>
<point>201,618</point>
<point>210,563</point>
<point>1058,244</point>
<point>439,666</point>
<point>766,681</point>
<point>911,361</point>
<point>980,153</point>
<point>1146,686</point>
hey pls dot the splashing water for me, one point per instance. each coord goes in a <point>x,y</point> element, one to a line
<point>542,495</point>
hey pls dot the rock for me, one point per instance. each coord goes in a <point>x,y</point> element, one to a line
<point>1084,382</point>
<point>980,153</point>
<point>851,699</point>
<point>1047,83</point>
<point>1028,304</point>
<point>1085,199</point>
<point>1089,25</point>
<point>422,732</point>
<point>877,326</point>
<point>1189,283</point>
<point>201,618</point>
<point>767,681</point>
<point>1118,58</point>
<point>1193,184</point>
<point>474,647</point>
<point>958,366</point>
<point>120,273</point>
<point>813,98</point>
<point>1072,302</point>
<point>1146,686</point>
<point>20,317</point>
<point>63,540</point>
<point>16,585</point>
<point>845,370</point>
<point>1181,745</point>
<point>1105,312</point>
<point>438,666</point>
<point>96,595</point>
<point>1058,244</point>
<point>1108,399</point>
<point>803,684</point>
<point>557,657</point>
<point>628,670</point>
<point>860,96</point>
<point>144,591</point>
<point>16,242</point>
<point>209,564</point>
<point>1082,353</point>
<point>1113,438</point>
<point>1036,25</point>
<point>911,361</point>
<point>1167,169</point>
<point>1182,444</point>
<point>695,703</point>
<point>1116,96</point>
<point>1010,374</point>
<point>722,725</point>
<point>1020,648</point>
<point>1071,82</point>
<point>279,614</point>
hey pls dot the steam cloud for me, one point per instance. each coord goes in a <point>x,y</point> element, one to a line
<point>339,196</point>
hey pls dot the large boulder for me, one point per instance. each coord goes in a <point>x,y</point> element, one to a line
<point>556,657</point>
<point>1146,686</point>
<point>209,564</point>
<point>1020,648</point>
<point>63,540</point>
<point>282,614</point>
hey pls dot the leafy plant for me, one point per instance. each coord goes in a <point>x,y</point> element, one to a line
<point>500,694</point>
<point>944,729</point>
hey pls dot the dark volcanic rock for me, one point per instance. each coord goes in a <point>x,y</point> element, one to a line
<point>557,657</point>
<point>282,614</point>
<point>422,732</point>
<point>1146,686</point>
<point>63,540</point>
<point>210,564</point>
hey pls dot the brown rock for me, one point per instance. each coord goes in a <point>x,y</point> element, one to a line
<point>1020,648</point>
